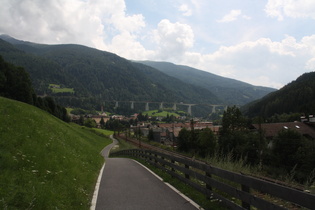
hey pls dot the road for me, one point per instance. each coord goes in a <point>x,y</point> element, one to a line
<point>125,184</point>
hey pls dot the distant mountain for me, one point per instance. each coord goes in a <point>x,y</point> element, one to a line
<point>296,97</point>
<point>230,91</point>
<point>96,76</point>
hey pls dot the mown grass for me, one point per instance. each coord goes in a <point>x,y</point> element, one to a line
<point>122,145</point>
<point>57,89</point>
<point>45,163</point>
<point>103,132</point>
<point>155,113</point>
<point>69,110</point>
<point>62,90</point>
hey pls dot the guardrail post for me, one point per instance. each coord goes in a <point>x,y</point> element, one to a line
<point>208,186</point>
<point>187,175</point>
<point>155,159</point>
<point>173,162</point>
<point>162,160</point>
<point>245,205</point>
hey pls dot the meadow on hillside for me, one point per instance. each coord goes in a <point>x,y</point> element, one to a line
<point>46,163</point>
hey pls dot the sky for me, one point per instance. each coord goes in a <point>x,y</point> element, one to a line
<point>262,42</point>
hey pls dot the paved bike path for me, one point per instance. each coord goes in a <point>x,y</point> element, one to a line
<point>125,184</point>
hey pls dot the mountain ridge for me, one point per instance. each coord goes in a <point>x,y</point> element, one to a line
<point>97,75</point>
<point>297,96</point>
<point>227,88</point>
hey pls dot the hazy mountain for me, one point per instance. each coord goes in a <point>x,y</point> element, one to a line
<point>296,97</point>
<point>230,91</point>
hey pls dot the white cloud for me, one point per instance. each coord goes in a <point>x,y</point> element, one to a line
<point>126,45</point>
<point>106,25</point>
<point>92,22</point>
<point>232,16</point>
<point>310,64</point>
<point>173,39</point>
<point>50,21</point>
<point>185,9</point>
<point>290,8</point>
<point>261,62</point>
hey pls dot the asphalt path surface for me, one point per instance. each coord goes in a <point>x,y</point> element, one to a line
<point>125,184</point>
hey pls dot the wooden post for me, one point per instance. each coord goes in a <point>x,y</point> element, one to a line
<point>244,204</point>
<point>208,186</point>
<point>173,161</point>
<point>155,159</point>
<point>187,175</point>
<point>162,157</point>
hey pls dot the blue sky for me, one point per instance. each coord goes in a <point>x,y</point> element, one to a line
<point>267,43</point>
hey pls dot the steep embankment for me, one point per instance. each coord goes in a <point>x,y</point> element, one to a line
<point>45,163</point>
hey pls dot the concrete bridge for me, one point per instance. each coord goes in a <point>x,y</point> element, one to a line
<point>174,105</point>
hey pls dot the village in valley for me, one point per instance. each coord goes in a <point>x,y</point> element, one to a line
<point>166,133</point>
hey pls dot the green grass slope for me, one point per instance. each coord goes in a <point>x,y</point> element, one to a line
<point>44,162</point>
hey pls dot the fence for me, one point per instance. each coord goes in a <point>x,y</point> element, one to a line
<point>236,191</point>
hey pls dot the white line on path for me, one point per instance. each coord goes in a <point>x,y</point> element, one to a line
<point>97,186</point>
<point>173,188</point>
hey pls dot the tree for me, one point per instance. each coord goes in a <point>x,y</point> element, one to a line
<point>142,117</point>
<point>233,120</point>
<point>15,83</point>
<point>102,123</point>
<point>253,147</point>
<point>206,142</point>
<point>233,131</point>
<point>151,135</point>
<point>81,120</point>
<point>90,123</point>
<point>285,147</point>
<point>305,157</point>
<point>184,140</point>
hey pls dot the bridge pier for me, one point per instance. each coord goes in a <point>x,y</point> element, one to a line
<point>189,109</point>
<point>132,105</point>
<point>174,107</point>
<point>116,105</point>
<point>213,109</point>
<point>147,106</point>
<point>161,106</point>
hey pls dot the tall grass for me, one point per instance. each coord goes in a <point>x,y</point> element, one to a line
<point>228,162</point>
<point>45,163</point>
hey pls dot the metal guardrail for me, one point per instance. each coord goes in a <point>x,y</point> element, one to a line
<point>236,191</point>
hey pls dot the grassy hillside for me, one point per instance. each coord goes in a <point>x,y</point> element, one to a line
<point>45,163</point>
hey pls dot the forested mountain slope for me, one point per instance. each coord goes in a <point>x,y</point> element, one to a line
<point>230,91</point>
<point>296,97</point>
<point>95,75</point>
